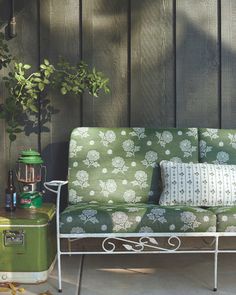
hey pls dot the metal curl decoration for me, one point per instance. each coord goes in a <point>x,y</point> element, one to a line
<point>143,244</point>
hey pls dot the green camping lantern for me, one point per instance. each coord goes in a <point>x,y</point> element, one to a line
<point>29,173</point>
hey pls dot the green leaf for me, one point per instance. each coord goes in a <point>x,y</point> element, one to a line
<point>33,108</point>
<point>9,130</point>
<point>17,130</point>
<point>12,137</point>
<point>75,88</point>
<point>41,86</point>
<point>46,62</point>
<point>26,67</point>
<point>46,81</point>
<point>63,90</point>
<point>38,80</point>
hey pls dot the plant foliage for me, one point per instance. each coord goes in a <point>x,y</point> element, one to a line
<point>25,86</point>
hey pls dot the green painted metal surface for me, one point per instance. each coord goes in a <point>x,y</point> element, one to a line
<point>30,200</point>
<point>27,239</point>
<point>30,157</point>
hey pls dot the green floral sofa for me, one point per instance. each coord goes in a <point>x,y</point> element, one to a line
<point>114,187</point>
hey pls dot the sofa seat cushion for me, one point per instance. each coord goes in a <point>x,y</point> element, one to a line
<point>225,217</point>
<point>128,218</point>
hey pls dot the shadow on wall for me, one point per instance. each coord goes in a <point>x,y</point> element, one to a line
<point>4,12</point>
<point>55,158</point>
<point>197,72</point>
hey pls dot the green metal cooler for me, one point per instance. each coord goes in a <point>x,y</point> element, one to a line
<point>28,244</point>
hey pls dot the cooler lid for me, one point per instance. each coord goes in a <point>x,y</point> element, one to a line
<point>36,217</point>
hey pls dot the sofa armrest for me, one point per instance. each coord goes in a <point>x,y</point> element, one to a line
<point>55,183</point>
<point>55,187</point>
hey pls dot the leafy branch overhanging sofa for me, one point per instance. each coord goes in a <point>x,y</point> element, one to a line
<point>114,188</point>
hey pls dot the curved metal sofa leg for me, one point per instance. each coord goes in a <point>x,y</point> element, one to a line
<point>55,187</point>
<point>59,268</point>
<point>216,264</point>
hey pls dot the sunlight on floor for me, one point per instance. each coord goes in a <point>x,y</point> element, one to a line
<point>129,270</point>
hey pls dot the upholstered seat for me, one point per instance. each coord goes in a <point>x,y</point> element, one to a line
<point>128,218</point>
<point>225,218</point>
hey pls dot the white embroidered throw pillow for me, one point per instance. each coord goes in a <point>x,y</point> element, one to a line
<point>198,184</point>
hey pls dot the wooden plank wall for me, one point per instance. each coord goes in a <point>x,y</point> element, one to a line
<point>170,63</point>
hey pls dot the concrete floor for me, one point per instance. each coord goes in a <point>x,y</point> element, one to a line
<point>178,274</point>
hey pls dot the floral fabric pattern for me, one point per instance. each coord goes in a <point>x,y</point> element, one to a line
<point>74,148</point>
<point>187,148</point>
<point>107,137</point>
<point>190,221</point>
<point>140,179</point>
<point>88,215</point>
<point>139,132</point>
<point>157,214</point>
<point>81,132</point>
<point>120,221</point>
<point>82,179</point>
<point>121,165</point>
<point>164,138</point>
<point>130,148</point>
<point>225,217</point>
<point>219,144</point>
<point>135,218</point>
<point>108,187</point>
<point>150,159</point>
<point>204,149</point>
<point>91,159</point>
<point>130,197</point>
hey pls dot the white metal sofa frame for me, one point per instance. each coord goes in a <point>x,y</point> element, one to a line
<point>147,242</point>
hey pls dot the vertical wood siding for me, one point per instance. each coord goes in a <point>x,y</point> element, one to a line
<point>170,63</point>
<point>197,60</point>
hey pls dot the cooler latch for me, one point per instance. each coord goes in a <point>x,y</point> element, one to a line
<point>14,237</point>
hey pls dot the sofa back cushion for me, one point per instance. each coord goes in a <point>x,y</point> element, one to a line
<point>120,165</point>
<point>217,146</point>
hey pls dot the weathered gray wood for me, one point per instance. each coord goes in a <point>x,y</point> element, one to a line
<point>228,53</point>
<point>105,47</point>
<point>152,63</point>
<point>3,152</point>
<point>60,35</point>
<point>4,12</point>
<point>197,58</point>
<point>25,48</point>
<point>105,44</point>
<point>4,17</point>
